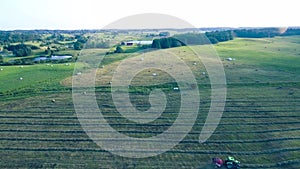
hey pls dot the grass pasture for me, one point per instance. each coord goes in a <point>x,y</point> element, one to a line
<point>260,123</point>
<point>30,79</point>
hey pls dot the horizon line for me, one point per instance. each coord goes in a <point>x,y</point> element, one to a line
<point>111,29</point>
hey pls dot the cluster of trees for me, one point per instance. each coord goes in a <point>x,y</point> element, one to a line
<point>8,37</point>
<point>219,36</point>
<point>80,41</point>
<point>192,38</point>
<point>48,51</point>
<point>22,61</point>
<point>30,61</point>
<point>164,43</point>
<point>164,34</point>
<point>60,37</point>
<point>160,34</point>
<point>78,45</point>
<point>20,49</point>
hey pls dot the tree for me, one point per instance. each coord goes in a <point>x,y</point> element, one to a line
<point>81,38</point>
<point>156,44</point>
<point>175,42</point>
<point>119,49</point>
<point>1,59</point>
<point>78,45</point>
<point>165,43</point>
<point>164,34</point>
<point>213,40</point>
<point>48,51</point>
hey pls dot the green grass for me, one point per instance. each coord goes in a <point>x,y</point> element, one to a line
<point>264,60</point>
<point>260,123</point>
<point>34,77</point>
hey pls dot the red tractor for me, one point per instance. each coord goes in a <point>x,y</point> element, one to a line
<point>218,162</point>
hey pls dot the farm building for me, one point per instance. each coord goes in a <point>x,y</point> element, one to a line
<point>137,42</point>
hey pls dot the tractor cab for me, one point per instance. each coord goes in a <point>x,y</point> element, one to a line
<point>232,163</point>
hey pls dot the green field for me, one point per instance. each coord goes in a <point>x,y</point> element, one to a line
<point>259,127</point>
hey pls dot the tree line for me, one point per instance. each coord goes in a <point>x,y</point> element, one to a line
<point>265,32</point>
<point>192,39</point>
<point>14,37</point>
<point>214,37</point>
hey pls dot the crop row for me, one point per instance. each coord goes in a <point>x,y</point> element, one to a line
<point>280,164</point>
<point>62,149</point>
<point>168,140</point>
<point>22,118</point>
<point>154,132</point>
<point>137,125</point>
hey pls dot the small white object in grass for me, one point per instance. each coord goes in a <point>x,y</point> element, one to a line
<point>175,88</point>
<point>203,73</point>
<point>1,69</point>
<point>53,100</point>
<point>48,64</point>
<point>154,74</point>
<point>21,78</point>
<point>142,59</point>
<point>84,93</point>
<point>51,65</point>
<point>21,66</point>
<point>194,63</point>
<point>79,73</point>
<point>67,64</point>
<point>229,59</point>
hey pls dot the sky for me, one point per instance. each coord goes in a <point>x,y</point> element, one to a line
<point>96,14</point>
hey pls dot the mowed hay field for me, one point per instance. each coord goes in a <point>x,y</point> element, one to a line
<point>260,124</point>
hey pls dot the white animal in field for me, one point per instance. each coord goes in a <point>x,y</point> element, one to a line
<point>230,59</point>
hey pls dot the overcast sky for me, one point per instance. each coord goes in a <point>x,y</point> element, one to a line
<point>93,14</point>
